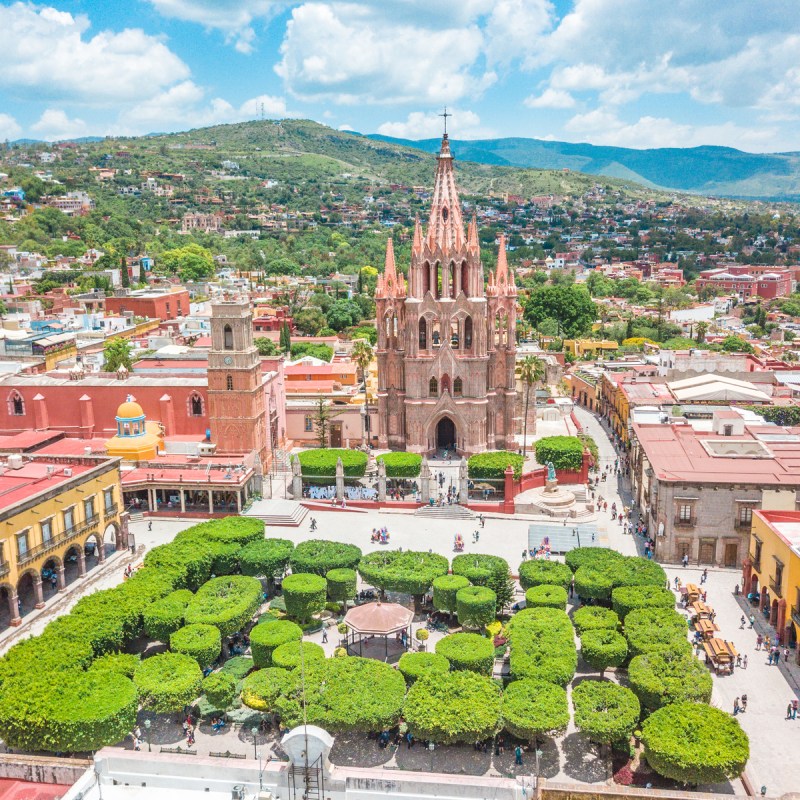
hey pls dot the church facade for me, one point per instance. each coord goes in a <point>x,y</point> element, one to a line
<point>446,343</point>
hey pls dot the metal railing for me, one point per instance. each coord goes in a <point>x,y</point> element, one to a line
<point>685,523</point>
<point>111,511</point>
<point>56,541</point>
<point>756,563</point>
<point>5,568</point>
<point>776,587</point>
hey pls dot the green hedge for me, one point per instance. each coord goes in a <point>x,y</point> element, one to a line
<point>266,557</point>
<point>596,557</point>
<point>189,561</point>
<point>591,618</point>
<point>604,711</point>
<point>475,606</point>
<point>293,654</point>
<point>566,452</point>
<point>320,556</point>
<point>487,570</point>
<point>453,707</point>
<point>341,584</point>
<point>548,596</point>
<point>414,665</point>
<point>266,636</point>
<point>467,651</point>
<point>534,708</point>
<point>636,571</point>
<point>322,463</point>
<point>593,584</point>
<point>445,589</point>
<point>537,572</point>
<point>656,630</point>
<point>168,682</point>
<point>228,603</point>
<point>542,646</point>
<point>659,680</point>
<point>404,571</point>
<point>200,641</point>
<point>694,743</point>
<point>401,465</point>
<point>220,690</point>
<point>625,599</point>
<point>262,688</point>
<point>121,663</point>
<point>603,648</point>
<point>304,595</point>
<point>492,465</point>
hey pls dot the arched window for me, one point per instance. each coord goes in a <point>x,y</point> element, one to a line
<point>437,280</point>
<point>452,274</point>
<point>433,387</point>
<point>445,384</point>
<point>458,387</point>
<point>227,338</point>
<point>468,332</point>
<point>454,334</point>
<point>436,337</point>
<point>229,383</point>
<point>16,405</point>
<point>464,278</point>
<point>423,333</point>
<point>388,325</point>
<point>394,325</point>
<point>426,278</point>
<point>196,405</point>
<point>498,331</point>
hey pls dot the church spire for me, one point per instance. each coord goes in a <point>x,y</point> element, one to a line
<point>446,225</point>
<point>416,244</point>
<point>472,234</point>
<point>390,270</point>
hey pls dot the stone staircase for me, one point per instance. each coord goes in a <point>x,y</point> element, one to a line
<point>281,513</point>
<point>444,512</point>
<point>283,460</point>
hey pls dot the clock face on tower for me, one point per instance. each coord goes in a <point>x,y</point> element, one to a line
<point>228,360</point>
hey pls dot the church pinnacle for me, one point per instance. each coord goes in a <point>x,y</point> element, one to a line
<point>446,224</point>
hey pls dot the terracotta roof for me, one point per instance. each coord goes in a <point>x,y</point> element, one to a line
<point>379,618</point>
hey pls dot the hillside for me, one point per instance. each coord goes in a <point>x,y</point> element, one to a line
<point>721,171</point>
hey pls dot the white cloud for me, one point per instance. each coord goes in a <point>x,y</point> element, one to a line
<point>516,29</point>
<point>551,98</point>
<point>428,125</point>
<point>54,125</point>
<point>351,53</point>
<point>9,127</point>
<point>47,51</point>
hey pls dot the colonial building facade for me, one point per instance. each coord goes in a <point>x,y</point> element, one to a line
<point>446,345</point>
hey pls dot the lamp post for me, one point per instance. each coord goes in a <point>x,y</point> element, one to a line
<point>147,724</point>
<point>538,754</point>
<point>254,731</point>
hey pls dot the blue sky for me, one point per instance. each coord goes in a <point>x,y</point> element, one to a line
<point>633,73</point>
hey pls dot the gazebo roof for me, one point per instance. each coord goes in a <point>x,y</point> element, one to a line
<point>379,619</point>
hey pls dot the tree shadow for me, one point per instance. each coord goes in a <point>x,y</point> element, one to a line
<point>165,729</point>
<point>356,750</point>
<point>582,759</point>
<point>549,761</point>
<point>460,759</point>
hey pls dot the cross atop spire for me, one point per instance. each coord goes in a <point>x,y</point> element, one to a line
<point>445,115</point>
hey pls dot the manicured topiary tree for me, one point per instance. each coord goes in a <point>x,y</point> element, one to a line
<point>656,630</point>
<point>604,711</point>
<point>293,654</point>
<point>534,708</point>
<point>542,646</point>
<point>219,689</point>
<point>492,465</point>
<point>415,665</point>
<point>262,688</point>
<point>537,572</point>
<point>565,452</point>
<point>590,618</point>
<point>596,557</point>
<point>468,651</point>
<point>228,603</point>
<point>659,679</point>
<point>603,648</point>
<point>188,560</point>
<point>304,595</point>
<point>625,599</point>
<point>266,558</point>
<point>322,462</point>
<point>547,596</point>
<point>487,570</point>
<point>401,465</point>
<point>121,663</point>
<point>341,584</point>
<point>593,584</point>
<point>453,707</point>
<point>637,571</point>
<point>475,606</point>
<point>403,571</point>
<point>168,682</point>
<point>320,556</point>
<point>445,589</point>
<point>694,743</point>
<point>200,641</point>
<point>268,635</point>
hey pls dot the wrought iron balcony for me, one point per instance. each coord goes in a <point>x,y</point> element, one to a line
<point>775,587</point>
<point>5,568</point>
<point>685,523</point>
<point>796,615</point>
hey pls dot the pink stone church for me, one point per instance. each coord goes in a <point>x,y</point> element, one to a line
<point>446,345</point>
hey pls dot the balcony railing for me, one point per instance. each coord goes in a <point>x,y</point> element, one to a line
<point>5,568</point>
<point>685,523</point>
<point>56,541</point>
<point>796,615</point>
<point>775,587</point>
<point>111,511</point>
<point>756,563</point>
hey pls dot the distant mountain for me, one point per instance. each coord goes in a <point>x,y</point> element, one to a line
<point>721,171</point>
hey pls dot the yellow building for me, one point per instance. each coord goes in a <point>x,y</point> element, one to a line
<point>136,439</point>
<point>60,517</point>
<point>579,347</point>
<point>772,571</point>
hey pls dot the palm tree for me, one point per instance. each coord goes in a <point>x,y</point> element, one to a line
<point>702,328</point>
<point>362,357</point>
<point>531,373</point>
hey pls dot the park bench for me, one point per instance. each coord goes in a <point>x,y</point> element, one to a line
<point>179,751</point>
<point>227,754</point>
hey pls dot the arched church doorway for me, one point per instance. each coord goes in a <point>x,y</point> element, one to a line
<point>446,434</point>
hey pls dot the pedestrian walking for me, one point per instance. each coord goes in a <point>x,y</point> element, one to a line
<point>785,654</point>
<point>685,560</point>
<point>744,661</point>
<point>735,706</point>
<point>794,708</point>
<point>743,707</point>
<point>150,525</point>
<point>324,632</point>
<point>759,639</point>
<point>752,620</point>
<point>704,576</point>
<point>738,660</point>
<point>518,756</point>
<point>742,622</point>
<point>789,711</point>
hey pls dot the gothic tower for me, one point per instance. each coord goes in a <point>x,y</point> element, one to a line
<point>236,397</point>
<point>446,348</point>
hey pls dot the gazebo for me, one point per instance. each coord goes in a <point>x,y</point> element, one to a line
<point>373,620</point>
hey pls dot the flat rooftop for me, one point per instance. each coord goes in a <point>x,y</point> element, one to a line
<point>18,485</point>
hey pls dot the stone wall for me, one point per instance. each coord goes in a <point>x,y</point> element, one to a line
<point>43,769</point>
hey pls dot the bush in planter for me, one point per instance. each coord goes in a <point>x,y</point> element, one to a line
<point>475,607</point>
<point>262,688</point>
<point>227,603</point>
<point>656,630</point>
<point>547,596</point>
<point>293,654</point>
<point>637,571</point>
<point>604,711</point>
<point>347,694</point>
<point>266,636</point>
<point>659,679</point>
<point>341,585</point>
<point>401,465</point>
<point>445,589</point>
<point>565,452</point>
<point>534,708</point>
<point>415,665</point>
<point>168,682</point>
<point>591,618</point>
<point>486,570</point>
<point>200,641</point>
<point>320,556</point>
<point>537,572</point>
<point>120,663</point>
<point>603,648</point>
<point>322,462</point>
<point>467,651</point>
<point>421,635</point>
<point>542,646</point>
<point>492,465</point>
<point>597,557</point>
<point>404,571</point>
<point>304,595</point>
<point>453,707</point>
<point>695,743</point>
<point>266,558</point>
<point>592,583</point>
<point>625,599</point>
<point>220,690</point>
